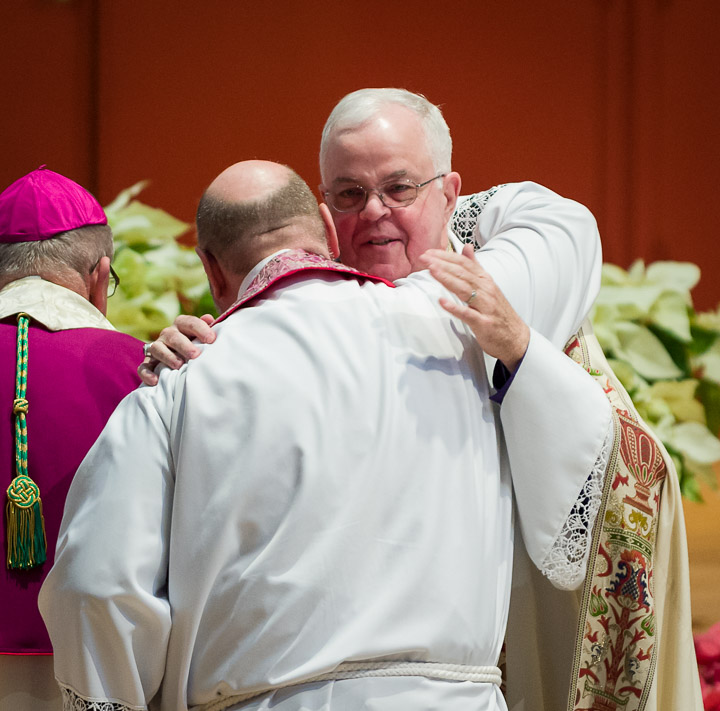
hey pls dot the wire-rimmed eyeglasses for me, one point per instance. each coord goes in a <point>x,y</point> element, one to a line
<point>113,280</point>
<point>393,194</point>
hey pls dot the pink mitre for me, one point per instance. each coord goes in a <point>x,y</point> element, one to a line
<point>43,204</point>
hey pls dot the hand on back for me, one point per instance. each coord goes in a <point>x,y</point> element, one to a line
<point>174,346</point>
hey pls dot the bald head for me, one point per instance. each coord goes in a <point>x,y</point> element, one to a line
<point>255,208</point>
<point>250,180</point>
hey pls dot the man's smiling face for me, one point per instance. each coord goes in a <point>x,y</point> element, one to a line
<point>379,240</point>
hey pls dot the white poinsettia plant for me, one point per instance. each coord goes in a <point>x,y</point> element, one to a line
<point>666,355</point>
<point>668,358</point>
<point>159,277</point>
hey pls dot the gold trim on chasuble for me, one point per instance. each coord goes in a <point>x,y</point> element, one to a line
<point>614,659</point>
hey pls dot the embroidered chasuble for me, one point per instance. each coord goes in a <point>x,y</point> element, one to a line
<point>627,639</point>
<point>634,648</point>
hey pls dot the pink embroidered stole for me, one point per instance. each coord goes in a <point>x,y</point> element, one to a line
<point>293,262</point>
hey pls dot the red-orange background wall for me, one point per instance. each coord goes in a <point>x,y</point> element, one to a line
<point>612,102</point>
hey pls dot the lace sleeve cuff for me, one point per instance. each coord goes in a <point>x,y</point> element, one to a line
<point>72,701</point>
<point>565,564</point>
<point>464,221</point>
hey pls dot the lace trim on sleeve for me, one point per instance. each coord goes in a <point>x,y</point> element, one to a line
<point>565,564</point>
<point>72,701</point>
<point>465,218</point>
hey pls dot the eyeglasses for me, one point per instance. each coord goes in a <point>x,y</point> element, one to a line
<point>113,280</point>
<point>393,194</point>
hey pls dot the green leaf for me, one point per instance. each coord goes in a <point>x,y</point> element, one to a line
<point>689,486</point>
<point>702,339</point>
<point>675,348</point>
<point>709,394</point>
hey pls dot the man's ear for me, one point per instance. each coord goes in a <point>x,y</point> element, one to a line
<point>214,274</point>
<point>99,279</point>
<point>451,188</point>
<point>330,231</point>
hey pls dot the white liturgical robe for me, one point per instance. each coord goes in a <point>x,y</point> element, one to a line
<point>327,483</point>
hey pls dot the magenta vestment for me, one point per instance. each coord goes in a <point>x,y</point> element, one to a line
<point>76,377</point>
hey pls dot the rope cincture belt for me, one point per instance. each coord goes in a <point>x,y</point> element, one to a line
<point>26,541</point>
<point>358,670</point>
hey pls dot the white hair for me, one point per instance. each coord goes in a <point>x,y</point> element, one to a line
<point>360,106</point>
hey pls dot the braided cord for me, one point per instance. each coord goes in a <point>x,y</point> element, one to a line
<point>361,670</point>
<point>26,540</point>
<point>20,404</point>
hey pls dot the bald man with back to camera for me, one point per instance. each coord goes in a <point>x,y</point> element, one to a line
<point>317,513</point>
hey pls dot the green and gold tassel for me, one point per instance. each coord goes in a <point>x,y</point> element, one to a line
<point>26,540</point>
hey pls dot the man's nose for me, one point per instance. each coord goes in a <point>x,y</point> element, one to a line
<point>374,208</point>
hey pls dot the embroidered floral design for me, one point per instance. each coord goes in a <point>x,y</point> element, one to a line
<point>615,658</point>
<point>288,263</point>
<point>629,586</point>
<point>598,606</point>
<point>644,461</point>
